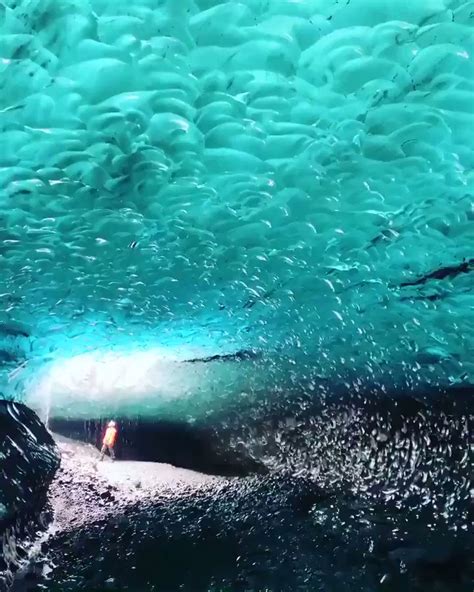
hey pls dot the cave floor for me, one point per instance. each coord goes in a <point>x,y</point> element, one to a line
<point>136,526</point>
<point>86,491</point>
<point>131,478</point>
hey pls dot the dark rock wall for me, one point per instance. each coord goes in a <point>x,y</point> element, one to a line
<point>28,461</point>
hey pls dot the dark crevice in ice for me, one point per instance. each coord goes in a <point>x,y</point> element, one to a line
<point>6,356</point>
<point>244,354</point>
<point>13,330</point>
<point>434,297</point>
<point>449,272</point>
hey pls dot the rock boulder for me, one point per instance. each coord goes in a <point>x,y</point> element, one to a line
<point>28,461</point>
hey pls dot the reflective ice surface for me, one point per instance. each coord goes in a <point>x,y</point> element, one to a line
<point>278,175</point>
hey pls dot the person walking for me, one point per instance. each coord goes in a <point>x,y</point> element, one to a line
<point>108,441</point>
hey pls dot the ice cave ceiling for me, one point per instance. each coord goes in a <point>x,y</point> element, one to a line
<point>291,177</point>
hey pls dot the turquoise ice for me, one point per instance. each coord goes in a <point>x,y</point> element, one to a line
<point>293,178</point>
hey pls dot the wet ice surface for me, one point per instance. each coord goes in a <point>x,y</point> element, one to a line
<point>181,530</point>
<point>263,174</point>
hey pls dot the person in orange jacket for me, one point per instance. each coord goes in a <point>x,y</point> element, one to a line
<point>108,441</point>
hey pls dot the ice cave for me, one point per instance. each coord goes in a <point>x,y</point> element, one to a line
<point>244,231</point>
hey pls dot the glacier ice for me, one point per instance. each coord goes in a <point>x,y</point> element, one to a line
<point>252,220</point>
<point>275,175</point>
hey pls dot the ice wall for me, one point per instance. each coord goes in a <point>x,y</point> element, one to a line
<point>289,176</point>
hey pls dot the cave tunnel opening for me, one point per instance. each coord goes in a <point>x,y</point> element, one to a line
<point>163,441</point>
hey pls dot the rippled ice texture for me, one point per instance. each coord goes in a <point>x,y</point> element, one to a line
<point>292,176</point>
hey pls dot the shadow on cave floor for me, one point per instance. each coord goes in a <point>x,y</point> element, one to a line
<point>167,442</point>
<point>128,474</point>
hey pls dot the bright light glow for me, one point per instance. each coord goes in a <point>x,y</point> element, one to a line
<point>116,376</point>
<point>111,373</point>
<point>139,382</point>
